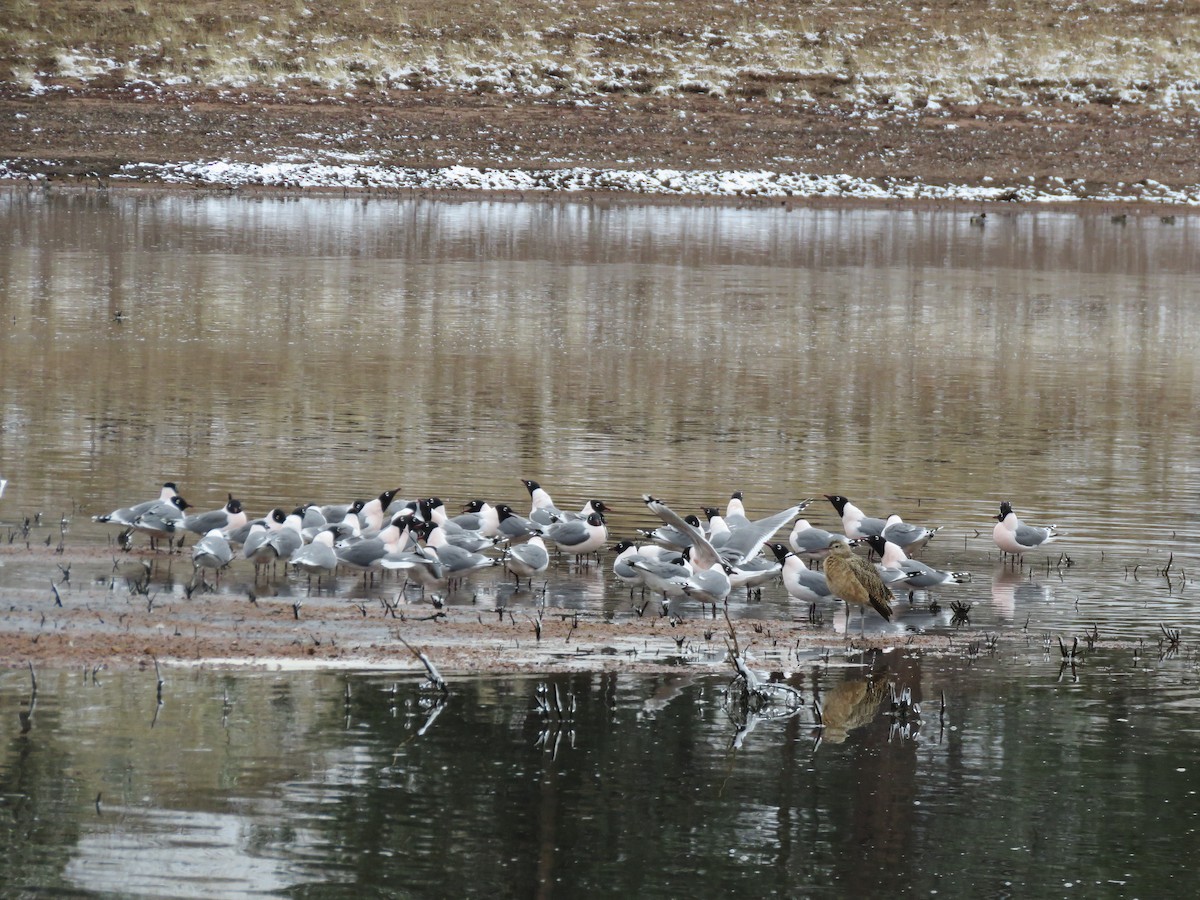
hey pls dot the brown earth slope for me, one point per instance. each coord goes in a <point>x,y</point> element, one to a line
<point>1038,93</point>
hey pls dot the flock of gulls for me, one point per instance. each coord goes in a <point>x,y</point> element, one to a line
<point>685,558</point>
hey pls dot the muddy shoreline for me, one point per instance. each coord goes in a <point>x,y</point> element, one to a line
<point>106,618</point>
<point>1084,157</point>
<point>1131,210</point>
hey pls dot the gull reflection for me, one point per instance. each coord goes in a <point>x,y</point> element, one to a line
<point>1010,588</point>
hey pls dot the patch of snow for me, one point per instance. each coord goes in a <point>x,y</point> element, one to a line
<point>660,182</point>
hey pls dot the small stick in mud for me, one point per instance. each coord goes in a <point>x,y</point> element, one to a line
<point>158,675</point>
<point>435,677</point>
<point>62,535</point>
<point>389,608</point>
<point>26,716</point>
<point>1170,643</point>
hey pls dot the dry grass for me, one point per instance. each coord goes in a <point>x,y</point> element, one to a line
<point>875,53</point>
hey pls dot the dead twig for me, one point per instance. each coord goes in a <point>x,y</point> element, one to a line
<point>435,677</point>
<point>158,676</point>
<point>26,715</point>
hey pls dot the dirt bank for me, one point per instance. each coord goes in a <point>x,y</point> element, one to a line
<point>1033,100</point>
<point>85,135</point>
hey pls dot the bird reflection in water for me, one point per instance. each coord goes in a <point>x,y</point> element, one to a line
<point>848,705</point>
<point>1011,589</point>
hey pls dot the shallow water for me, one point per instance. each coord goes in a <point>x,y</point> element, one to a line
<point>324,349</point>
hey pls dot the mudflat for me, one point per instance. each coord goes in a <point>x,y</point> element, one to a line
<point>124,610</point>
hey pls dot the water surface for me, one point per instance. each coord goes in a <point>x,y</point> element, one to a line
<point>322,784</point>
<point>325,349</point>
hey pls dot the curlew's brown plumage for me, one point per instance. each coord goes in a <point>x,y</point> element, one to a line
<point>855,580</point>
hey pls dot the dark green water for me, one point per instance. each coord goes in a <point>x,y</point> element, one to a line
<point>276,784</point>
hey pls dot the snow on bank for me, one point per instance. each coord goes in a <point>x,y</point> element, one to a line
<point>654,182</point>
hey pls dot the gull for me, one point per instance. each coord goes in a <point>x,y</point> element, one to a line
<point>316,558</point>
<point>913,573</point>
<point>349,528</point>
<point>709,581</point>
<point>661,570</point>
<point>754,573</point>
<point>672,538</point>
<point>421,565</point>
<point>527,559</point>
<point>481,516</point>
<point>592,506</point>
<point>514,528</point>
<point>855,580</point>
<point>313,523</point>
<point>251,537</point>
<point>366,553</point>
<point>125,516</point>
<point>909,538</point>
<point>335,512</point>
<point>627,551</point>
<point>735,510</point>
<point>229,516</point>
<point>855,523</point>
<point>256,534</point>
<point>212,551</point>
<point>1013,536</point>
<point>372,515</point>
<point>666,576</point>
<point>717,530</point>
<point>543,511</point>
<point>459,563</point>
<point>432,509</point>
<point>254,545</point>
<point>800,582</point>
<point>579,537</point>
<point>286,539</point>
<point>162,519</point>
<point>313,517</point>
<point>743,543</point>
<point>627,574</point>
<point>809,542</point>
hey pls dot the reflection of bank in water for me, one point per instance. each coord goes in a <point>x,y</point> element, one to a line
<point>1011,587</point>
